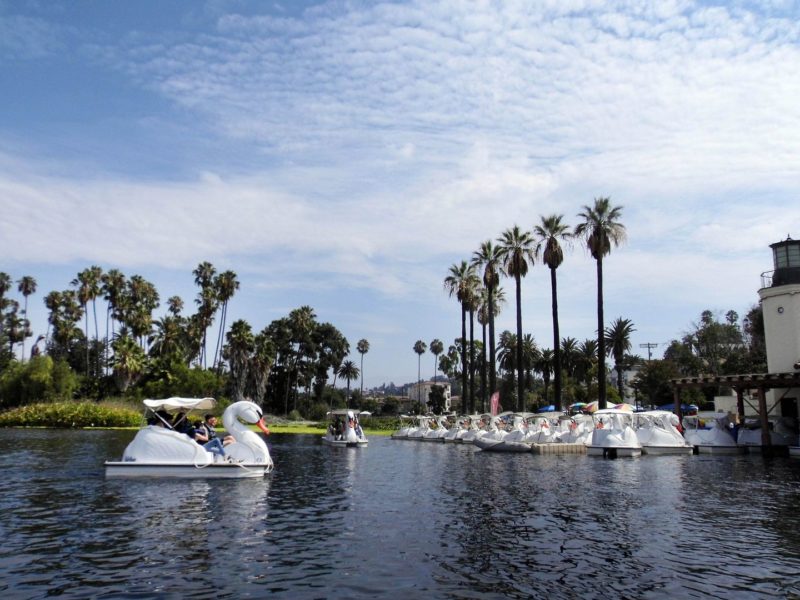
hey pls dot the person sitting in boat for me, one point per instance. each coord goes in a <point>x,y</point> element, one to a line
<point>181,424</point>
<point>161,418</point>
<point>359,431</point>
<point>208,429</point>
<point>208,439</point>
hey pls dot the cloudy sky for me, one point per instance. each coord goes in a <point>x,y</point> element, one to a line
<point>343,155</point>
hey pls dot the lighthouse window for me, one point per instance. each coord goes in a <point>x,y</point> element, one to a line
<point>793,255</point>
<point>787,256</point>
<point>781,257</point>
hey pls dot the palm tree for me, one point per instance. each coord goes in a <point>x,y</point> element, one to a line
<point>238,350</point>
<point>585,359</point>
<point>175,305</point>
<point>363,347</point>
<point>619,342</point>
<point>348,371</point>
<point>459,283</point>
<point>207,303</point>
<point>544,366</point>
<point>490,258</point>
<point>225,285</point>
<point>516,254</point>
<point>548,233</point>
<point>436,348</point>
<point>129,361</point>
<point>26,286</point>
<point>530,356</point>
<point>113,284</point>
<point>419,348</point>
<point>88,284</point>
<point>600,230</point>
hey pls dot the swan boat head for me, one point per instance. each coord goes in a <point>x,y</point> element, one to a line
<point>248,447</point>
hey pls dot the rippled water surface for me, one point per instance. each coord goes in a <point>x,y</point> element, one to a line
<point>397,519</point>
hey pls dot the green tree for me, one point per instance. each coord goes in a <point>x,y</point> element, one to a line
<point>129,362</point>
<point>349,372</point>
<point>601,230</point>
<point>238,350</point>
<point>419,347</point>
<point>206,301</point>
<point>225,285</point>
<point>436,348</point>
<point>517,253</point>
<point>460,282</point>
<point>549,233</point>
<point>489,257</point>
<point>26,286</point>
<point>363,348</point>
<point>619,343</point>
<point>436,399</point>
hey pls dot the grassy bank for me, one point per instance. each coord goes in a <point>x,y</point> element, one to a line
<point>121,414</point>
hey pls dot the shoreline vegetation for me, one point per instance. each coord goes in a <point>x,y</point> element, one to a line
<point>119,415</point>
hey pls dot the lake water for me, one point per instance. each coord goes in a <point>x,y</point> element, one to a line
<point>398,519</point>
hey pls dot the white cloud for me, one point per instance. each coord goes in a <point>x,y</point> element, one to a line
<point>387,140</point>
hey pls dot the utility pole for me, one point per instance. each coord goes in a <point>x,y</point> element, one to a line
<point>649,346</point>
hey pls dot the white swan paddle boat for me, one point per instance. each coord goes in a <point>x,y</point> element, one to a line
<point>712,433</point>
<point>613,435</point>
<point>658,433</point>
<point>158,451</point>
<point>344,430</point>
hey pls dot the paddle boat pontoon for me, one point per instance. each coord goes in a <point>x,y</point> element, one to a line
<point>159,451</point>
<point>344,430</point>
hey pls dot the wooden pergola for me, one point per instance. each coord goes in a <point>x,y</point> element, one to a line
<point>758,381</point>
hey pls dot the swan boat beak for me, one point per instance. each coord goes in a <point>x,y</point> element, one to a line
<point>262,427</point>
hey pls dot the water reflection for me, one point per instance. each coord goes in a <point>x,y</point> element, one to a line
<point>394,519</point>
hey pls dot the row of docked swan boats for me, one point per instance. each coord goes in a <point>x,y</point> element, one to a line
<point>612,432</point>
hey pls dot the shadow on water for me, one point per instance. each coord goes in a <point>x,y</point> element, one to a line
<point>397,519</point>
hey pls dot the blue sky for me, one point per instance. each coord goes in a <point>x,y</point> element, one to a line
<point>343,155</point>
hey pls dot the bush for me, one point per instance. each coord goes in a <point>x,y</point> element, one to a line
<point>41,379</point>
<point>295,416</point>
<point>71,415</point>
<point>318,412</point>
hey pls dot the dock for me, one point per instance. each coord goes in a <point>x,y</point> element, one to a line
<point>559,448</point>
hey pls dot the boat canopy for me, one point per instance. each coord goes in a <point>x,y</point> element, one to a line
<point>178,404</point>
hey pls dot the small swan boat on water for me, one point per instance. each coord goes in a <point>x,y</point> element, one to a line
<point>344,430</point>
<point>613,435</point>
<point>159,451</point>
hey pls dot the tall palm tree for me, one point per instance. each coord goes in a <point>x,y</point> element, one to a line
<point>113,284</point>
<point>544,366</point>
<point>490,258</point>
<point>363,347</point>
<point>459,283</point>
<point>601,230</point>
<point>225,285</point>
<point>88,288</point>
<point>419,348</point>
<point>619,342</point>
<point>348,371</point>
<point>26,286</point>
<point>585,359</point>
<point>548,233</point>
<point>436,348</point>
<point>207,303</point>
<point>530,356</point>
<point>517,253</point>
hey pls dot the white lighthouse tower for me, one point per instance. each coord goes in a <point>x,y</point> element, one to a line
<point>780,304</point>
